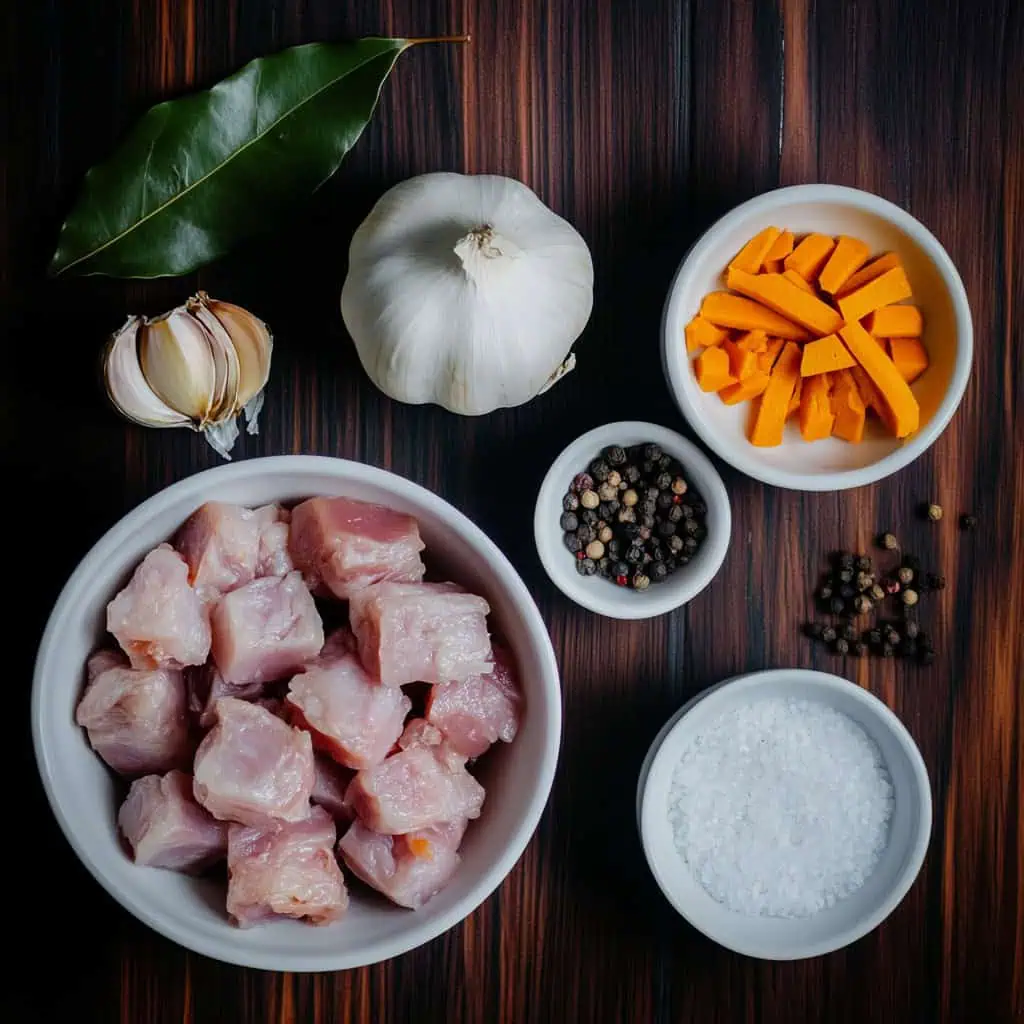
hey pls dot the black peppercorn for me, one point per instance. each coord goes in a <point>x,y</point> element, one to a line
<point>615,455</point>
<point>911,629</point>
<point>845,575</point>
<point>571,502</point>
<point>631,474</point>
<point>586,567</point>
<point>630,531</point>
<point>691,527</point>
<point>857,648</point>
<point>658,571</point>
<point>828,634</point>
<point>847,592</point>
<point>663,481</point>
<point>664,499</point>
<point>874,637</point>
<point>686,510</point>
<point>844,560</point>
<point>599,470</point>
<point>647,521</point>
<point>891,635</point>
<point>590,516</point>
<point>653,452</point>
<point>825,592</point>
<point>841,646</point>
<point>666,462</point>
<point>586,534</point>
<point>813,630</point>
<point>614,547</point>
<point>666,529</point>
<point>604,567</point>
<point>620,569</point>
<point>675,513</point>
<point>572,542</point>
<point>847,632</point>
<point>569,521</point>
<point>837,605</point>
<point>648,507</point>
<point>968,522</point>
<point>635,555</point>
<point>864,563</point>
<point>647,467</point>
<point>691,544</point>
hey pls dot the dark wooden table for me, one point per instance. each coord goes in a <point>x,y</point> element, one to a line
<point>641,122</point>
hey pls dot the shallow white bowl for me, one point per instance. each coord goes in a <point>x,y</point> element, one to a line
<point>84,795</point>
<point>774,938</point>
<point>600,595</point>
<point>830,464</point>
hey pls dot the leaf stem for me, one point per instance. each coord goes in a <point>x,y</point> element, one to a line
<point>440,39</point>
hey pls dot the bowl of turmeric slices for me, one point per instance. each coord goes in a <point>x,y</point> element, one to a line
<point>817,338</point>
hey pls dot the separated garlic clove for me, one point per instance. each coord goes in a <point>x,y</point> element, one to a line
<point>225,360</point>
<point>253,342</point>
<point>177,359</point>
<point>126,384</point>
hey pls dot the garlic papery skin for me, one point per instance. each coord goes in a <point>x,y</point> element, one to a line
<point>177,360</point>
<point>126,384</point>
<point>466,291</point>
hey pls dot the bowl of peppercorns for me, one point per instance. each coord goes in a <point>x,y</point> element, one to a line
<point>632,521</point>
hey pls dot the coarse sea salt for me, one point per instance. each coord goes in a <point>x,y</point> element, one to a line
<point>781,807</point>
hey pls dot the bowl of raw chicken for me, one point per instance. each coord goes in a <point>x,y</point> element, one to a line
<point>297,714</point>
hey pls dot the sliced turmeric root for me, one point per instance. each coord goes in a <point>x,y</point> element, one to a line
<point>816,417</point>
<point>774,291</point>
<point>745,389</point>
<point>895,322</point>
<point>712,369</point>
<point>810,255</point>
<point>727,310</point>
<point>823,355</point>
<point>885,376</point>
<point>752,256</point>
<point>890,287</point>
<point>701,333</point>
<point>877,267</point>
<point>773,407</point>
<point>909,357</point>
<point>847,409</point>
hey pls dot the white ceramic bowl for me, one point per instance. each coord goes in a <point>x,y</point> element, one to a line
<point>84,796</point>
<point>774,938</point>
<point>600,595</point>
<point>948,336</point>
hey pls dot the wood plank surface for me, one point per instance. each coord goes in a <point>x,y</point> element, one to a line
<point>641,123</point>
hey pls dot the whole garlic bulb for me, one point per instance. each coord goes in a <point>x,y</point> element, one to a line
<point>467,291</point>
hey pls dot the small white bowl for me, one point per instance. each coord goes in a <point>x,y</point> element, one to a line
<point>600,595</point>
<point>84,795</point>
<point>830,464</point>
<point>776,938</point>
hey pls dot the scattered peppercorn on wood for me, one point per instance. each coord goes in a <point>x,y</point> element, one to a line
<point>813,329</point>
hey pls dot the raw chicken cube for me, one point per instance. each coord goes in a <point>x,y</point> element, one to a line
<point>220,542</point>
<point>136,720</point>
<point>408,869</point>
<point>480,710</point>
<point>418,787</point>
<point>428,632</point>
<point>273,558</point>
<point>329,785</point>
<point>352,717</point>
<point>206,686</point>
<point>285,870</point>
<point>252,767</point>
<point>166,828</point>
<point>345,545</point>
<point>266,630</point>
<point>158,619</point>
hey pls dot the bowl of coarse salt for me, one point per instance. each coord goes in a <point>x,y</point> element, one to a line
<point>784,814</point>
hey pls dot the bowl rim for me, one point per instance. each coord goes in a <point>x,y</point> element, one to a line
<point>419,931</point>
<point>610,601</point>
<point>921,837</point>
<point>837,480</point>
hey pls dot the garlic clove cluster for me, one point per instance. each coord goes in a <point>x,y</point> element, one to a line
<point>201,365</point>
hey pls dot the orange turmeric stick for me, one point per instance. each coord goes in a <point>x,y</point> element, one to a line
<point>772,267</point>
<point>753,341</point>
<point>823,355</point>
<point>872,397</point>
<point>810,255</point>
<point>847,257</point>
<point>742,363</point>
<point>727,310</point>
<point>711,368</point>
<point>885,376</point>
<point>895,322</point>
<point>847,409</point>
<point>794,402</point>
<point>877,267</point>
<point>746,389</point>
<point>794,278</point>
<point>766,359</point>
<point>909,357</point>
<point>775,292</point>
<point>773,408</point>
<point>701,333</point>
<point>751,257</point>
<point>890,287</point>
<point>816,416</point>
<point>781,248</point>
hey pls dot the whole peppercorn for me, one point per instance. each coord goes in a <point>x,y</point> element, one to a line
<point>648,507</point>
<point>615,455</point>
<point>828,634</point>
<point>635,555</point>
<point>630,498</point>
<point>934,581</point>
<point>891,636</point>
<point>968,522</point>
<point>664,499</point>
<point>865,581</point>
<point>862,604</point>
<point>691,527</point>
<point>626,515</point>
<point>837,605</point>
<point>907,648</point>
<point>675,544</point>
<point>874,637</point>
<point>645,532</point>
<point>675,513</point>
<point>844,560</point>
<point>599,470</point>
<point>663,481</point>
<point>568,521</point>
<point>857,648</point>
<point>813,630</point>
<point>876,592</point>
<point>847,592</point>
<point>701,533</point>
<point>630,531</point>
<point>911,629</point>
<point>700,509</point>
<point>925,655</point>
<point>666,529</point>
<point>647,467</point>
<point>586,567</point>
<point>606,492</point>
<point>888,541</point>
<point>572,542</point>
<point>825,592</point>
<point>910,597</point>
<point>666,462</point>
<point>604,567</point>
<point>571,502</point>
<point>691,544</point>
<point>632,474</point>
<point>590,516</point>
<point>589,499</point>
<point>887,650</point>
<point>582,482</point>
<point>864,563</point>
<point>620,568</point>
<point>647,521</point>
<point>933,512</point>
<point>679,485</point>
<point>686,510</point>
<point>605,534</point>
<point>614,547</point>
<point>847,632</point>
<point>595,550</point>
<point>841,646</point>
<point>905,575</point>
<point>586,534</point>
<point>845,575</point>
<point>641,581</point>
<point>622,580</point>
<point>614,478</point>
<point>652,452</point>
<point>658,571</point>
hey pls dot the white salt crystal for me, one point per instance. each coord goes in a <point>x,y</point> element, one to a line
<point>781,808</point>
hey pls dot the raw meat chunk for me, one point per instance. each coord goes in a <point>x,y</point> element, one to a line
<point>415,788</point>
<point>137,720</point>
<point>408,869</point>
<point>352,717</point>
<point>100,661</point>
<point>329,785</point>
<point>220,543</point>
<point>252,767</point>
<point>166,828</point>
<point>339,644</point>
<point>285,870</point>
<point>273,558</point>
<point>478,711</point>
<point>265,630</point>
<point>431,632</point>
<point>206,686</point>
<point>345,545</point>
<point>158,619</point>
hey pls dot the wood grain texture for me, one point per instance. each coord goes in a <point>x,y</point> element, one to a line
<point>641,123</point>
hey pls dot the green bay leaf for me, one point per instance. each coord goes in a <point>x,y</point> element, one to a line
<point>200,173</point>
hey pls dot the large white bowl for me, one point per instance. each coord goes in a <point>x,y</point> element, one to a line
<point>776,938</point>
<point>601,595</point>
<point>84,795</point>
<point>831,464</point>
